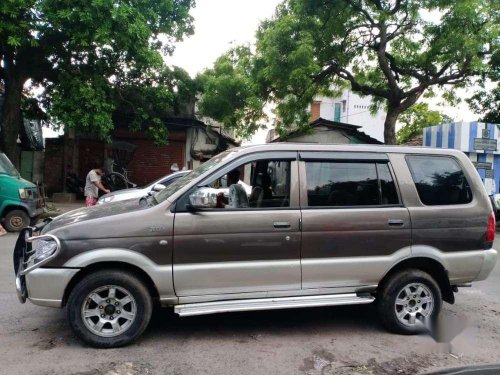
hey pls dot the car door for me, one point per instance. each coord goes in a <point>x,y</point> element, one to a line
<point>245,249</point>
<point>354,223</point>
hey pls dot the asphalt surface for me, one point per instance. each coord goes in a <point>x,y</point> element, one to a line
<point>333,340</point>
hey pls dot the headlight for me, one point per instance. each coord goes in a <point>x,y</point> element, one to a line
<point>24,193</point>
<point>44,249</point>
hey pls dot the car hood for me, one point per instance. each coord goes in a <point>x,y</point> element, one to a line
<point>92,213</point>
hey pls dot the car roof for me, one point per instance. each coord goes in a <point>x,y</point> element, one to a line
<point>290,146</point>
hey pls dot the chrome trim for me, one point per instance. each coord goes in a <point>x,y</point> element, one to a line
<point>273,294</point>
<point>44,261</point>
<point>270,304</point>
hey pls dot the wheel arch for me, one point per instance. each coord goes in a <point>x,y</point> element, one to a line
<point>11,207</point>
<point>112,265</point>
<point>429,265</point>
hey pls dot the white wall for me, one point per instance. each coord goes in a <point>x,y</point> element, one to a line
<point>355,111</point>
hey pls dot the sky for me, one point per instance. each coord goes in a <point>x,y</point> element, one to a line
<point>217,25</point>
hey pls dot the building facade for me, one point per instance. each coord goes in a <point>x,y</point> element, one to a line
<point>478,140</point>
<point>350,108</point>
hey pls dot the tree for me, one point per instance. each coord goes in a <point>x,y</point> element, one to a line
<point>229,93</point>
<point>415,119</point>
<point>488,102</point>
<point>86,55</point>
<point>392,50</point>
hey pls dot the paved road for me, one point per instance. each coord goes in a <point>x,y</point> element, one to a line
<point>334,340</point>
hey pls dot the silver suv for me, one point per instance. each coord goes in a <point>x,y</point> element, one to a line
<point>321,226</point>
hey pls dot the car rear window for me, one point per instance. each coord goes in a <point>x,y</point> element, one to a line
<point>439,180</point>
<point>344,184</point>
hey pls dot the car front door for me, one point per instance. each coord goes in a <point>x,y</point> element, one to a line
<point>253,248</point>
<point>354,223</point>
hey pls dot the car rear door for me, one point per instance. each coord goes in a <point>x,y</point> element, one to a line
<point>354,225</point>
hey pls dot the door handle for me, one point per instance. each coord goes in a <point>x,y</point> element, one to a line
<point>395,223</point>
<point>281,224</point>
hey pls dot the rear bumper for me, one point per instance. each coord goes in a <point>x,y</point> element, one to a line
<point>489,261</point>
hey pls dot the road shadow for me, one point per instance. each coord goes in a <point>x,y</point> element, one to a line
<point>337,319</point>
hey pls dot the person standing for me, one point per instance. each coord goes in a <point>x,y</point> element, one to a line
<point>92,186</point>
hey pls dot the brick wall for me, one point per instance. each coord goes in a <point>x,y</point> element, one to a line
<point>151,161</point>
<point>315,111</point>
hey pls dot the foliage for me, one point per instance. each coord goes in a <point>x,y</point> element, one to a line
<point>392,50</point>
<point>230,94</point>
<point>487,102</point>
<point>86,54</point>
<point>415,119</point>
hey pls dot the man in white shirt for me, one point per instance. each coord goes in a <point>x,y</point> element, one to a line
<point>238,197</point>
<point>92,186</point>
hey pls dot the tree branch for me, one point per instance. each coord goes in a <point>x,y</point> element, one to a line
<point>360,9</point>
<point>334,68</point>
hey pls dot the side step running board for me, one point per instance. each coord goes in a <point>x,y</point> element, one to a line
<point>270,304</point>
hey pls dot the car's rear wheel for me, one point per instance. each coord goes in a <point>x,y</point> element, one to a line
<point>409,302</point>
<point>16,220</point>
<point>109,308</point>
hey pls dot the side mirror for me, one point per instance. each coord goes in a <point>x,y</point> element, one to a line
<point>204,197</point>
<point>158,187</point>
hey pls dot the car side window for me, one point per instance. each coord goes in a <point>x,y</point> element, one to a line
<point>439,180</point>
<point>169,180</point>
<point>348,184</point>
<point>258,184</point>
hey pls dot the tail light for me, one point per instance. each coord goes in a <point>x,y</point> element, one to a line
<point>490,229</point>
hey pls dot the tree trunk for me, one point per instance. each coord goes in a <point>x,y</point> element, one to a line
<point>390,125</point>
<point>11,117</point>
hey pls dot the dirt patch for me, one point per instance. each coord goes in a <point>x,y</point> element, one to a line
<point>46,344</point>
<point>322,362</point>
<point>126,368</point>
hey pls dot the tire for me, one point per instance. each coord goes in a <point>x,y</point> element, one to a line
<point>16,220</point>
<point>98,329</point>
<point>415,315</point>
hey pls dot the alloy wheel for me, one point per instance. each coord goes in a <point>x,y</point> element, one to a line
<point>109,311</point>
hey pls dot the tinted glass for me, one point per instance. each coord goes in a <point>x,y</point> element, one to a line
<point>388,191</point>
<point>342,184</point>
<point>185,180</point>
<point>262,184</point>
<point>439,180</point>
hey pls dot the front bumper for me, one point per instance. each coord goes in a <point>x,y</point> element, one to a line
<point>42,286</point>
<point>489,260</point>
<point>46,286</point>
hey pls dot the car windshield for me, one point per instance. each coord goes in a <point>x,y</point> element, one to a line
<point>185,180</point>
<point>6,166</point>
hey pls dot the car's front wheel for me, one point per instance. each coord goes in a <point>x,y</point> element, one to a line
<point>109,308</point>
<point>409,302</point>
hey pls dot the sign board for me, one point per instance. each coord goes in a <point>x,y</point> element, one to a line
<point>489,173</point>
<point>485,144</point>
<point>482,165</point>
